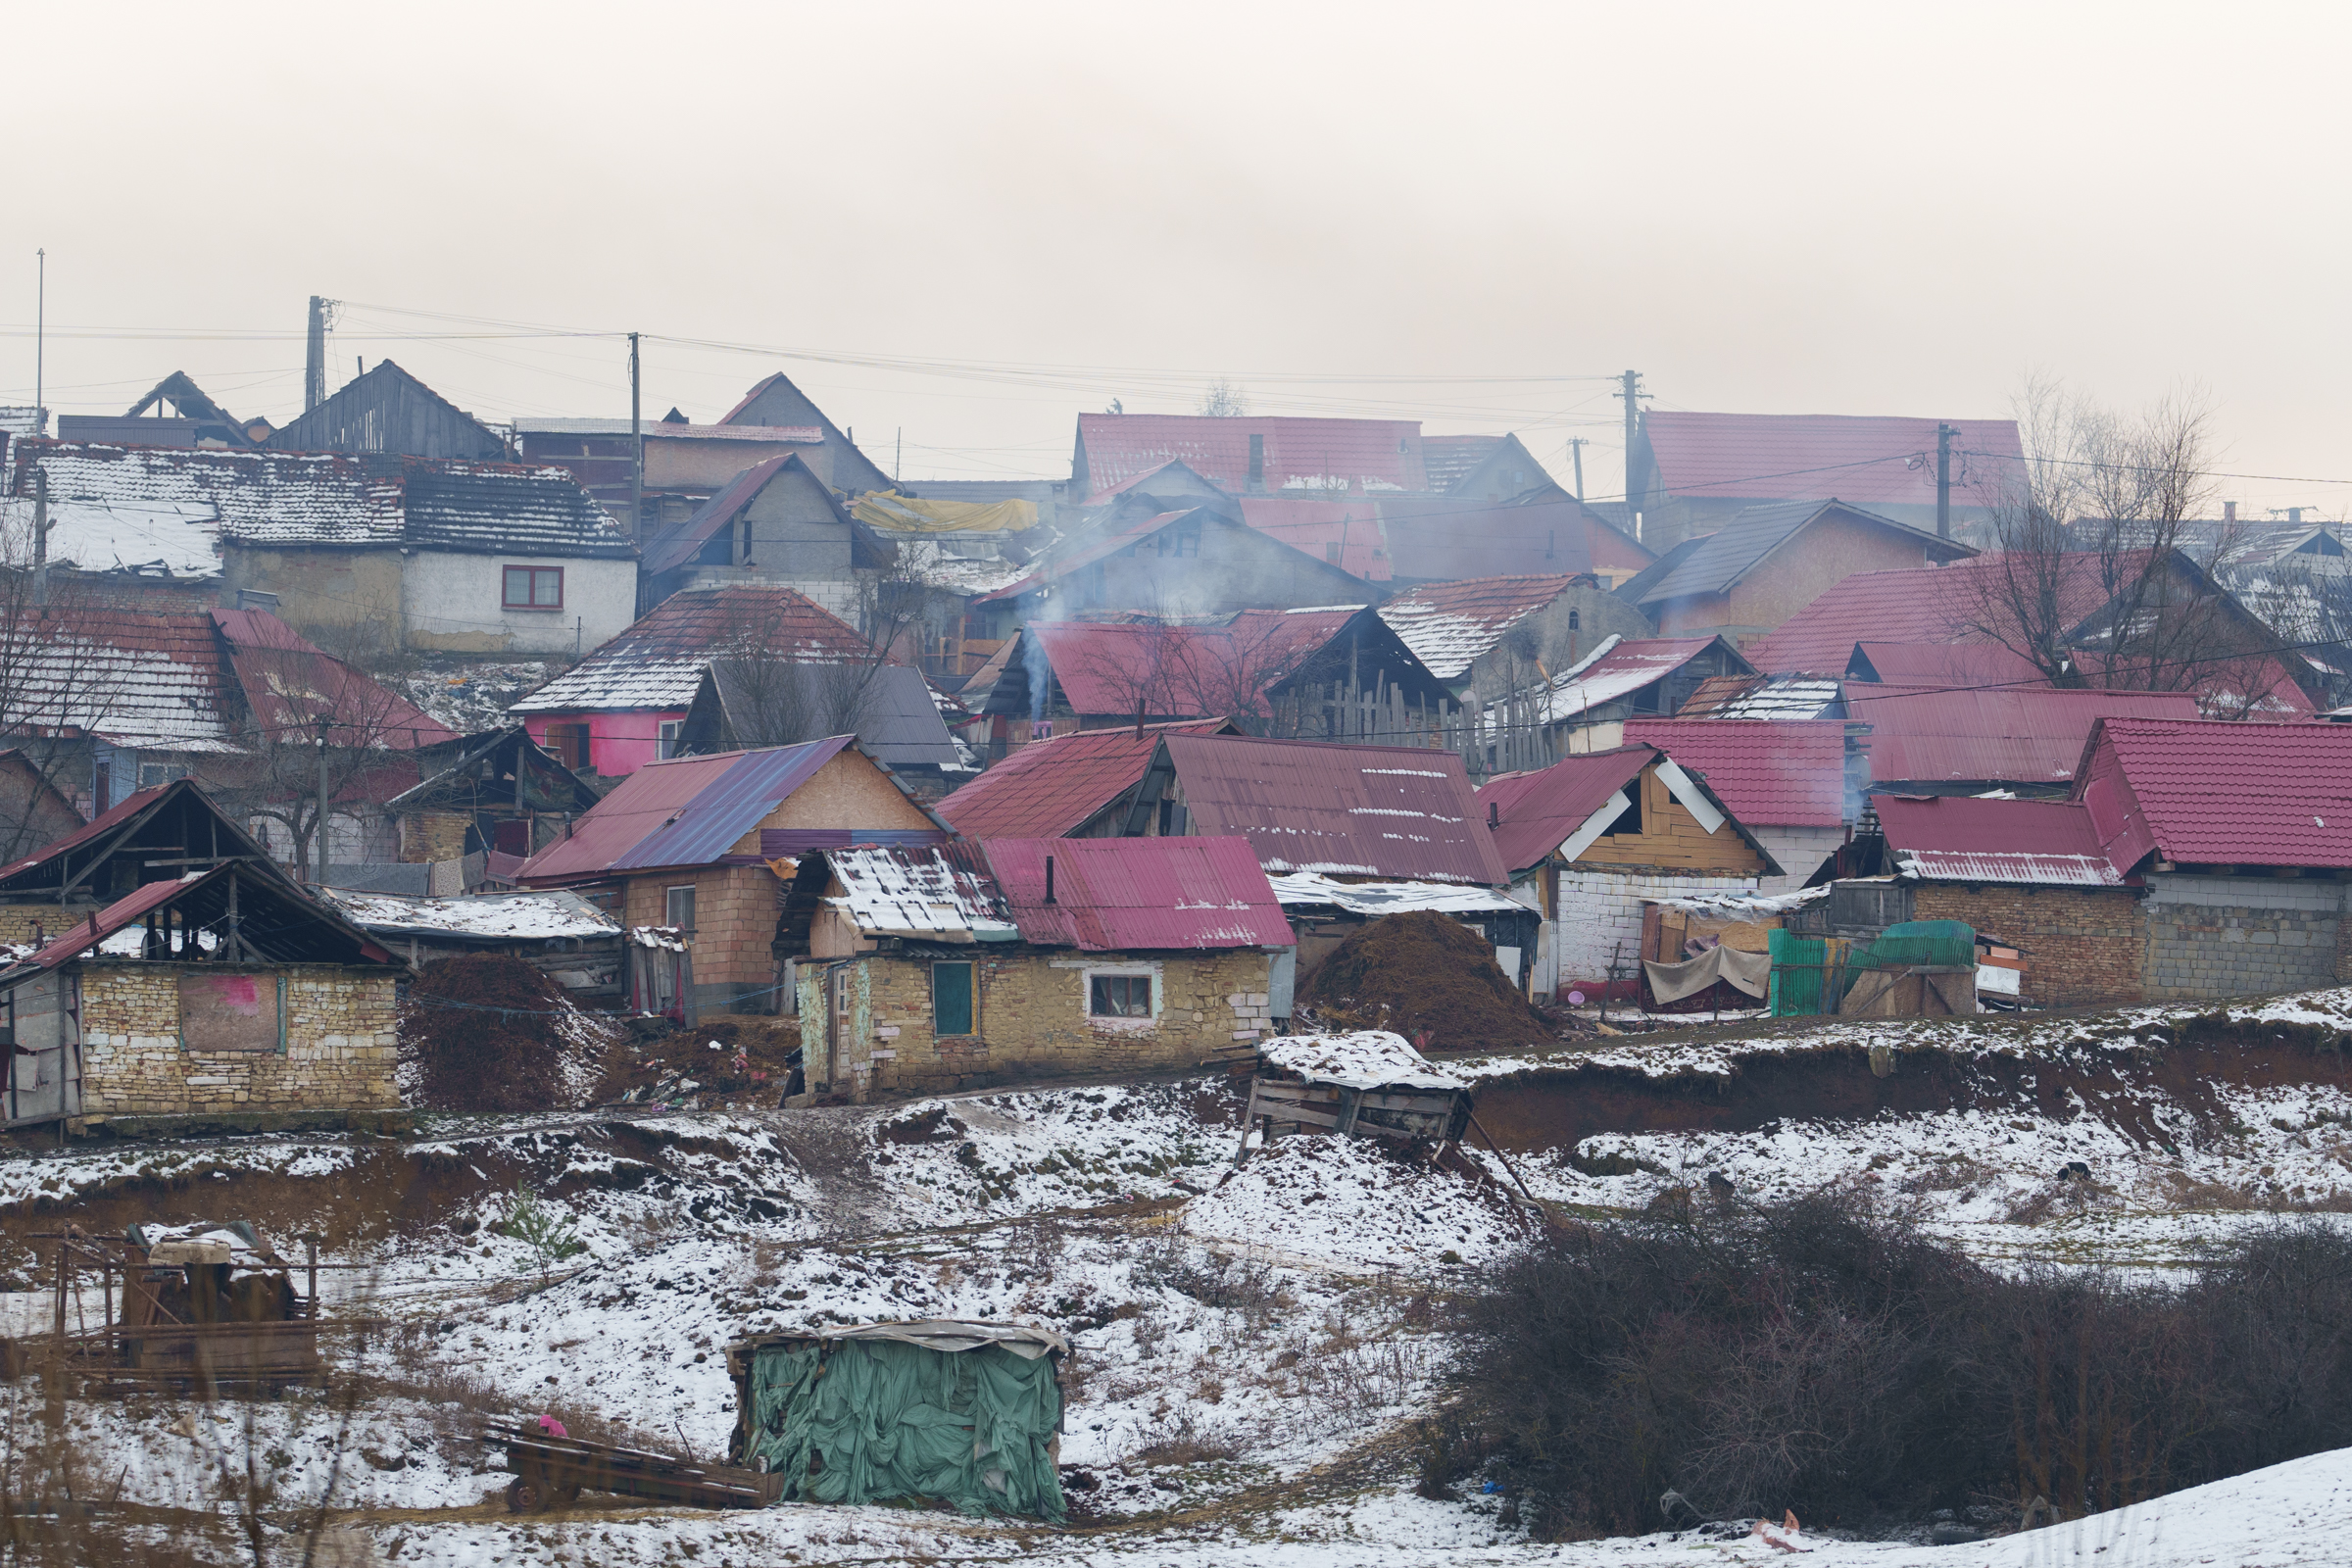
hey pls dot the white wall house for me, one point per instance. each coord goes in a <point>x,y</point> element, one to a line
<point>518,603</point>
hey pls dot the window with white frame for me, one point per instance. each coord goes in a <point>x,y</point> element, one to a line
<point>666,746</point>
<point>531,588</point>
<point>680,911</point>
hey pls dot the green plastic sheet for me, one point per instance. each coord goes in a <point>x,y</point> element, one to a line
<point>1797,973</point>
<point>1951,944</point>
<point>854,1421</point>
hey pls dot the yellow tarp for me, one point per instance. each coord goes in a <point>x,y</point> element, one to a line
<point>898,513</point>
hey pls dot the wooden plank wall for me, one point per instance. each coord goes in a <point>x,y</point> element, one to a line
<point>1671,836</point>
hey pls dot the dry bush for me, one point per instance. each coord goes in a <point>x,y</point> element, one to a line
<point>1184,1442</point>
<point>1824,1355</point>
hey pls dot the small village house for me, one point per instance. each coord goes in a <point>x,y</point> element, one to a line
<point>1489,636</point>
<point>387,409</point>
<point>443,554</point>
<point>2032,875</point>
<point>498,792</point>
<point>1066,785</point>
<point>775,524</point>
<point>1692,474</point>
<point>625,704</point>
<point>690,845</point>
<point>1586,705</point>
<point>927,969</point>
<point>1596,841</point>
<point>1764,565</point>
<point>224,997</point>
<point>746,704</point>
<point>555,930</point>
<point>1796,785</point>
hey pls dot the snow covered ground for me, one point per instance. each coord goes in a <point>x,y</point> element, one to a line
<point>1253,1346</point>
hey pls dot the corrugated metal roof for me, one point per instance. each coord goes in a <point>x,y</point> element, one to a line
<point>1305,456</point>
<point>1918,604</point>
<point>2231,793</point>
<point>2025,735</point>
<point>686,811</point>
<point>1350,811</point>
<point>1814,456</point>
<point>921,893</point>
<point>1319,527</point>
<point>1941,665</point>
<point>104,825</point>
<point>288,684</point>
<point>1449,625</point>
<point>1185,671</point>
<point>657,662</point>
<point>277,919</point>
<point>1777,697</point>
<point>1714,563</point>
<point>1959,839</point>
<point>1139,895</point>
<point>1535,812</point>
<point>1049,787</point>
<point>1788,773</point>
<point>1307,890</point>
<point>1617,669</point>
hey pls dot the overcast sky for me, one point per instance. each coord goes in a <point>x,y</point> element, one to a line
<point>1459,214</point>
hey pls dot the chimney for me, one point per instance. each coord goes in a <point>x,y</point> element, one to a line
<point>1049,879</point>
<point>1494,815</point>
<point>2229,511</point>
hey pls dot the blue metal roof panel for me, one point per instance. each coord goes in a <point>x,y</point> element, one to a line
<point>730,805</point>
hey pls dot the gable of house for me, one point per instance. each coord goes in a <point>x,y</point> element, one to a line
<point>388,409</point>
<point>1250,455</point>
<point>775,401</point>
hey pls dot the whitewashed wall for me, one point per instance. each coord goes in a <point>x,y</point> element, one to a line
<point>452,602</point>
<point>1600,915</point>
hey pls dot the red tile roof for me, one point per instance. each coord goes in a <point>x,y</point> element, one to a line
<point>1049,787</point>
<point>1811,457</point>
<point>1139,895</point>
<point>1770,773</point>
<point>2213,792</point>
<point>1305,456</point>
<point>2027,735</point>
<point>1955,837</point>
<point>1346,810</point>
<point>1532,813</point>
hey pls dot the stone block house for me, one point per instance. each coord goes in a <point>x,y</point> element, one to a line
<point>225,997</point>
<point>1593,841</point>
<point>688,855</point>
<point>924,969</point>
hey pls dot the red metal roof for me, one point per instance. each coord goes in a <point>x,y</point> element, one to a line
<point>689,811</point>
<point>105,824</point>
<point>1960,839</point>
<point>1533,814</point>
<point>1306,456</point>
<point>1917,604</point>
<point>1098,548</point>
<point>1318,527</point>
<point>1770,773</point>
<point>1347,811</point>
<point>1185,671</point>
<point>1811,457</point>
<point>2214,793</point>
<point>2027,735</point>
<point>1943,664</point>
<point>1139,895</point>
<point>1049,787</point>
<point>275,909</point>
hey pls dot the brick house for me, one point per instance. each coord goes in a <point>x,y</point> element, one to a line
<point>948,967</point>
<point>1764,565</point>
<point>226,997</point>
<point>1593,839</point>
<point>690,847</point>
<point>2033,874</point>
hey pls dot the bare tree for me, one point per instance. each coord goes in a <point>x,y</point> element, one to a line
<point>2104,574</point>
<point>1223,400</point>
<point>780,692</point>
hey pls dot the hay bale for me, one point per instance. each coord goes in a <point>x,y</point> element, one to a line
<point>1420,973</point>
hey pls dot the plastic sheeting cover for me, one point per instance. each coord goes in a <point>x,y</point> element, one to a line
<point>1748,972</point>
<point>898,513</point>
<point>866,1420</point>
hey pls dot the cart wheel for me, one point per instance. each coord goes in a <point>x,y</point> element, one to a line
<point>524,1495</point>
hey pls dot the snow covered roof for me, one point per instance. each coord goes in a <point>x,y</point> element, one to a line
<point>1774,697</point>
<point>178,538</point>
<point>143,503</point>
<point>1311,890</point>
<point>489,917</point>
<point>1368,1058</point>
<point>1615,669</point>
<point>1449,625</point>
<point>659,661</point>
<point>917,892</point>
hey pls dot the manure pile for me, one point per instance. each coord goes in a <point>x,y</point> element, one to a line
<point>1421,973</point>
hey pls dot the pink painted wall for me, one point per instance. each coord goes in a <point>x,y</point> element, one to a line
<point>618,743</point>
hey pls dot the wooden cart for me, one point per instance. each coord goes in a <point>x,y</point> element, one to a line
<point>551,1472</point>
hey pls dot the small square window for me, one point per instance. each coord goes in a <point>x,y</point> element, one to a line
<point>1120,996</point>
<point>531,588</point>
<point>680,908</point>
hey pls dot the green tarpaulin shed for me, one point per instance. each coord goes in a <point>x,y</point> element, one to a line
<point>966,1414</point>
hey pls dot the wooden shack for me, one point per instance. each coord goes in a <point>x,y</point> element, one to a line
<point>1369,1084</point>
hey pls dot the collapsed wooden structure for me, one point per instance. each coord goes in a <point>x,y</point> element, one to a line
<point>1370,1083</point>
<point>552,1471</point>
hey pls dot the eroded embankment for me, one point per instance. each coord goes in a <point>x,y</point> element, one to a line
<point>2146,1082</point>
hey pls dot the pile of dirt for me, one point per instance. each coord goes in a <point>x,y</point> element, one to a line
<point>490,1033</point>
<point>1421,974</point>
<point>726,1059</point>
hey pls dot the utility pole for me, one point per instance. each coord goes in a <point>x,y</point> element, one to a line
<point>322,800</point>
<point>40,342</point>
<point>1633,430</point>
<point>314,363</point>
<point>636,450</point>
<point>40,541</point>
<point>898,456</point>
<point>1943,480</point>
<point>1576,455</point>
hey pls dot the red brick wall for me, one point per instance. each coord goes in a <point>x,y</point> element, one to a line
<point>2083,945</point>
<point>734,928</point>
